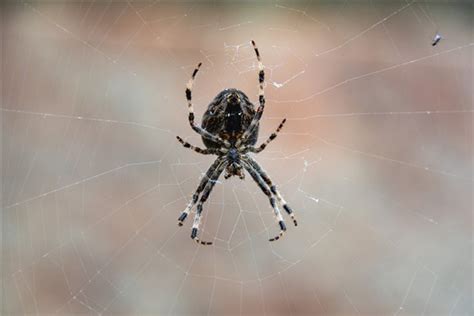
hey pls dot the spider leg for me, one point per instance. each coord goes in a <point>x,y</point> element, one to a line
<point>261,99</point>
<point>206,151</point>
<point>195,127</point>
<point>264,187</point>
<point>269,139</point>
<point>209,175</point>
<point>273,187</point>
<point>205,194</point>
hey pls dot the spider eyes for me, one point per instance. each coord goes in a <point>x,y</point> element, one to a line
<point>232,114</point>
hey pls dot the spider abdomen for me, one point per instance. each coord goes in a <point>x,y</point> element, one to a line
<point>228,116</point>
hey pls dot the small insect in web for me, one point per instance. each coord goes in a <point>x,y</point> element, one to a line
<point>436,39</point>
<point>229,130</point>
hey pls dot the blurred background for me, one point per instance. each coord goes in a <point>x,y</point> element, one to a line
<point>375,159</point>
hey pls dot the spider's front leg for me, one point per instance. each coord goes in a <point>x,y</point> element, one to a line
<point>264,187</point>
<point>273,188</point>
<point>205,194</point>
<point>210,174</point>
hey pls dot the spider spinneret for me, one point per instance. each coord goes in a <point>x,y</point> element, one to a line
<point>229,130</point>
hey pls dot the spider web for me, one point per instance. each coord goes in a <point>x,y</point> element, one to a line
<point>375,159</point>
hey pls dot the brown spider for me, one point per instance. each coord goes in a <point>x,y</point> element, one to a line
<point>229,130</point>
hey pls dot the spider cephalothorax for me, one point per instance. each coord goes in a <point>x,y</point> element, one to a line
<point>229,130</point>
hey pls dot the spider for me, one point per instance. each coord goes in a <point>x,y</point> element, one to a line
<point>229,130</point>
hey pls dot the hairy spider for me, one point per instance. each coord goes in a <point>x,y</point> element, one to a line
<point>229,130</point>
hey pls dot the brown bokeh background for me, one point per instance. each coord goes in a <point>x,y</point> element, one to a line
<point>376,159</point>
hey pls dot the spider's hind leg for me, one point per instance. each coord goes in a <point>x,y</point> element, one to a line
<point>205,134</point>
<point>261,100</point>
